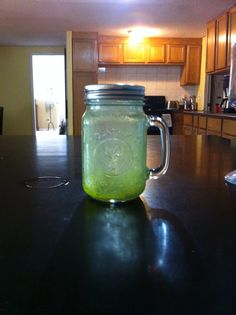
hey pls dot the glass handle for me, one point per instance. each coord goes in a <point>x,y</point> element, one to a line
<point>158,122</point>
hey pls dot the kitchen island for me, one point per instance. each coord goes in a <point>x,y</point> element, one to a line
<point>172,251</point>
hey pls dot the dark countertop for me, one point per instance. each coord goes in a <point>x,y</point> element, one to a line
<point>204,113</point>
<point>173,251</point>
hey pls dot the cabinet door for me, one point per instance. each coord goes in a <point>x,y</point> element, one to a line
<point>134,54</point>
<point>210,58</point>
<point>175,54</point>
<point>191,70</point>
<point>178,123</point>
<point>221,42</point>
<point>195,124</point>
<point>110,53</point>
<point>231,33</point>
<point>156,53</point>
<point>84,55</point>
<point>202,122</point>
<point>202,125</point>
<point>187,130</point>
<point>195,121</point>
<point>214,126</point>
<point>229,129</point>
<point>188,120</point>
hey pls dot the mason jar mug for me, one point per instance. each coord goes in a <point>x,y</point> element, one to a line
<point>114,142</point>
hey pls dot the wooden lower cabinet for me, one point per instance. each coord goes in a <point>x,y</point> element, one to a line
<point>200,124</point>
<point>188,120</point>
<point>214,126</point>
<point>177,120</point>
<point>195,124</point>
<point>201,131</point>
<point>229,129</point>
<point>195,121</point>
<point>188,124</point>
<point>187,130</point>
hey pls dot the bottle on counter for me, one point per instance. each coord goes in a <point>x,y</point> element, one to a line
<point>217,108</point>
<point>185,103</point>
<point>193,103</point>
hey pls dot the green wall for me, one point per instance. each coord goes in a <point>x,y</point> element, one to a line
<point>16,88</point>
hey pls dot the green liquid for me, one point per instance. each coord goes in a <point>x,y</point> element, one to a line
<point>114,153</point>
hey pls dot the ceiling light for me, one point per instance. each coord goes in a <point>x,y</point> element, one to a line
<point>137,34</point>
<point>135,37</point>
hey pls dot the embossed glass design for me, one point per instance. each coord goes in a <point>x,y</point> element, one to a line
<point>114,141</point>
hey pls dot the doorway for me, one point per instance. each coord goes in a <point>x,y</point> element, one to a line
<point>49,94</point>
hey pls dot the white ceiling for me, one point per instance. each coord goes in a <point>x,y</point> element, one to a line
<point>45,22</point>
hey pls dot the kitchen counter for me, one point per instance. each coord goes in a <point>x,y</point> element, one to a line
<point>204,113</point>
<point>172,251</point>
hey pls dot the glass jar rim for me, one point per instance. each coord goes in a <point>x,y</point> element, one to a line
<point>114,91</point>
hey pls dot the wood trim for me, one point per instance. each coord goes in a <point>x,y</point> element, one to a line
<point>84,35</point>
<point>151,40</point>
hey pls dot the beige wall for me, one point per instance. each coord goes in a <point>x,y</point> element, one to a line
<point>16,91</point>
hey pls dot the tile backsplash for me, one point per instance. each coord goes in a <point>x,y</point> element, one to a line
<point>158,80</point>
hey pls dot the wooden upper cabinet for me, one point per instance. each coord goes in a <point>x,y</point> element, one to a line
<point>84,54</point>
<point>134,54</point>
<point>221,42</point>
<point>211,36</point>
<point>191,71</point>
<point>155,53</point>
<point>110,53</point>
<point>84,66</point>
<point>175,53</point>
<point>231,32</point>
